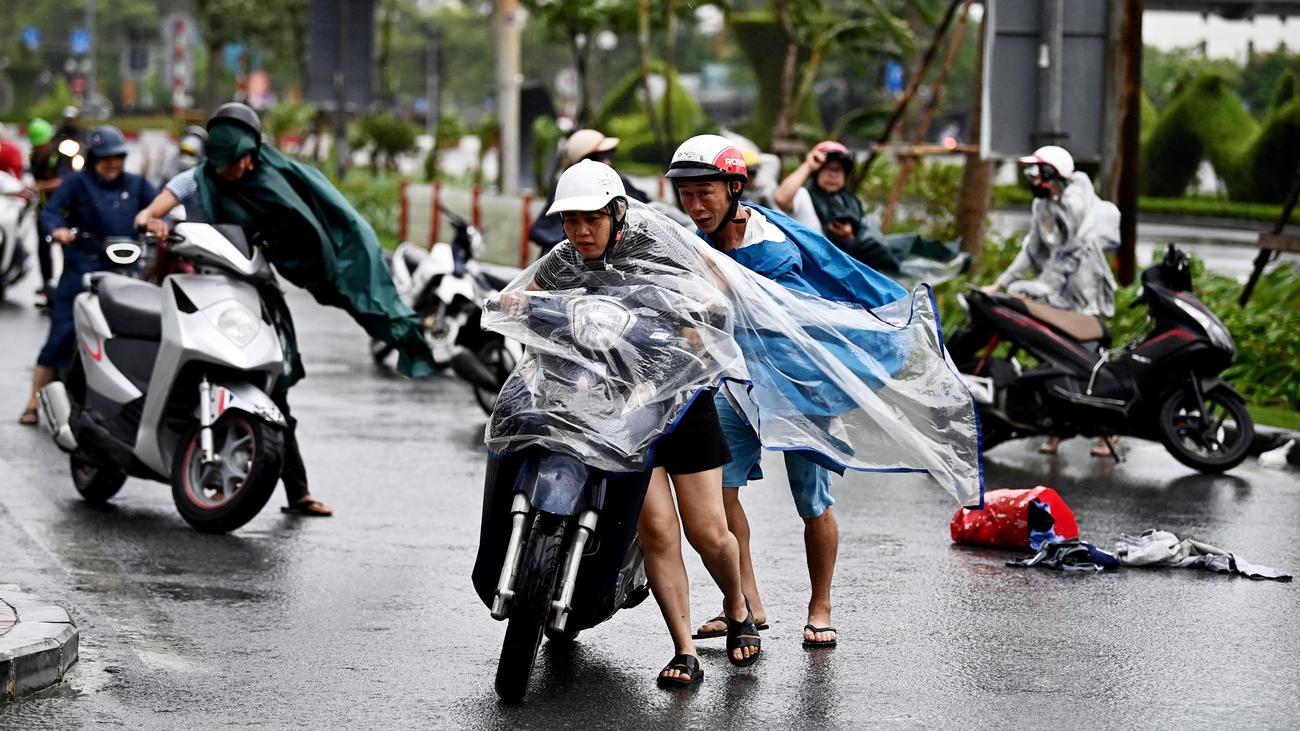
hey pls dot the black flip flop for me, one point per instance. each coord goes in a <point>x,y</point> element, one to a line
<point>720,618</point>
<point>741,635</point>
<point>822,643</point>
<point>688,664</point>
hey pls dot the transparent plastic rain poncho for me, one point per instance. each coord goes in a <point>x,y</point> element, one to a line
<point>618,347</point>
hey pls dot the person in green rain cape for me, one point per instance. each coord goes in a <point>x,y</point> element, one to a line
<point>314,238</point>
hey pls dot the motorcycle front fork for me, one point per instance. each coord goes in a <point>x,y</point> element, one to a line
<point>562,604</point>
<point>205,422</point>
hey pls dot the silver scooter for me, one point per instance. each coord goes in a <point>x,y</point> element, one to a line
<point>174,381</point>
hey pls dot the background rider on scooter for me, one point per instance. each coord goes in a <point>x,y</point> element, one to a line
<point>100,201</point>
<point>314,238</point>
<point>1070,230</point>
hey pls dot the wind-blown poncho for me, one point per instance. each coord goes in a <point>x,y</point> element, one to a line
<point>854,388</point>
<point>317,241</point>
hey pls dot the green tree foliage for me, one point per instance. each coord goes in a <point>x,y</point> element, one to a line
<point>623,115</point>
<point>1284,92</point>
<point>290,119</point>
<point>388,137</point>
<point>1261,75</point>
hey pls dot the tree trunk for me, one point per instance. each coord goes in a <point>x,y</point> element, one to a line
<point>214,68</point>
<point>580,52</point>
<point>670,42</point>
<point>785,119</point>
<point>643,42</point>
<point>977,178</point>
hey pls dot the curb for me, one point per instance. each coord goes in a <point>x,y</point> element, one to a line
<point>38,643</point>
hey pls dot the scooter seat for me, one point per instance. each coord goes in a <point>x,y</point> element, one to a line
<point>133,308</point>
<point>1084,328</point>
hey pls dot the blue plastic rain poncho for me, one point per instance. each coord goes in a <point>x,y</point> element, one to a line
<point>839,362</point>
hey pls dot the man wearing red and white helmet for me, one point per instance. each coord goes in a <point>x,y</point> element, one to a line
<point>709,174</point>
<point>1063,259</point>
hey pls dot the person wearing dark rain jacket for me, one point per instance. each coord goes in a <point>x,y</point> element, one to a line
<point>314,238</point>
<point>100,201</point>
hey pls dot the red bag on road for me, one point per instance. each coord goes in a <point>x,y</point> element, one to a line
<point>1005,521</point>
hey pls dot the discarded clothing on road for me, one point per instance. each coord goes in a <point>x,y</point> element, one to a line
<point>1070,555</point>
<point>1158,548</point>
<point>1015,519</point>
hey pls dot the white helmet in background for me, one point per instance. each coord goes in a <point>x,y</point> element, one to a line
<point>1057,157</point>
<point>587,186</point>
<point>586,142</point>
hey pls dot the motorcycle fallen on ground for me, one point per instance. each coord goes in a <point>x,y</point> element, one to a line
<point>17,206</point>
<point>445,287</point>
<point>558,550</point>
<point>173,382</point>
<point>1163,385</point>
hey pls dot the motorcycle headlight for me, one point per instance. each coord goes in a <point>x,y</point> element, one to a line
<point>1214,329</point>
<point>237,322</point>
<point>599,323</point>
<point>69,148</point>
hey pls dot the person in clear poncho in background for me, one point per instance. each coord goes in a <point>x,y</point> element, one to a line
<point>1070,231</point>
<point>612,408</point>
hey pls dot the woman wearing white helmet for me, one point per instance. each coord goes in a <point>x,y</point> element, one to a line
<point>1070,231</point>
<point>592,203</point>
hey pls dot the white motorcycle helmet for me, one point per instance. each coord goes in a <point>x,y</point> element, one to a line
<point>592,186</point>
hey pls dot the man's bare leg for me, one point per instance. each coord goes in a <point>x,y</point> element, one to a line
<point>821,537</point>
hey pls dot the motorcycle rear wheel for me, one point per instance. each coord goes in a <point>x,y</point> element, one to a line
<point>96,482</point>
<point>221,497</point>
<point>1198,439</point>
<point>534,586</point>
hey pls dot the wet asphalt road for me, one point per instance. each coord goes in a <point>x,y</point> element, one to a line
<point>368,618</point>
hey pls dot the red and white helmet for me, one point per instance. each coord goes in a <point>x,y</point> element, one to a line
<point>708,157</point>
<point>1057,157</point>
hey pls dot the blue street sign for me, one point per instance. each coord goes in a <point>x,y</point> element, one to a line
<point>79,40</point>
<point>32,38</point>
<point>894,77</point>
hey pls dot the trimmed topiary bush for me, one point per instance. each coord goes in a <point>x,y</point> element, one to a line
<point>623,115</point>
<point>1205,120</point>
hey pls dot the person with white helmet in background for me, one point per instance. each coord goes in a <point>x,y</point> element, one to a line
<point>592,203</point>
<point>187,155</point>
<point>584,144</point>
<point>709,175</point>
<point>1071,229</point>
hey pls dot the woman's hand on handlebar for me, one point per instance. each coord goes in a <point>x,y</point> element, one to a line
<point>514,303</point>
<point>64,236</point>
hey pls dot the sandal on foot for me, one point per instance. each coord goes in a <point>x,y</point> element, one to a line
<point>308,506</point>
<point>28,418</point>
<point>688,664</point>
<point>820,643</point>
<point>742,634</point>
<point>722,633</point>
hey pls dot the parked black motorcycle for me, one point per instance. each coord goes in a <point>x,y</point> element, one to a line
<point>1162,385</point>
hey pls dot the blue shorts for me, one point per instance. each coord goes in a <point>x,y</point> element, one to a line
<point>810,483</point>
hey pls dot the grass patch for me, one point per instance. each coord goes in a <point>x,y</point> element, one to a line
<point>1275,416</point>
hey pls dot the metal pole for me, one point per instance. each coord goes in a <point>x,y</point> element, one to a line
<point>509,20</point>
<point>90,53</point>
<point>1130,145</point>
<point>341,93</point>
<point>432,89</point>
<point>1051,44</point>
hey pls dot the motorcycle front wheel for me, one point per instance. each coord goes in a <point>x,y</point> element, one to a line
<point>224,495</point>
<point>1213,435</point>
<point>97,483</point>
<point>534,586</point>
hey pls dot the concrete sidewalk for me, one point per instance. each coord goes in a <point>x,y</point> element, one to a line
<point>38,643</point>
